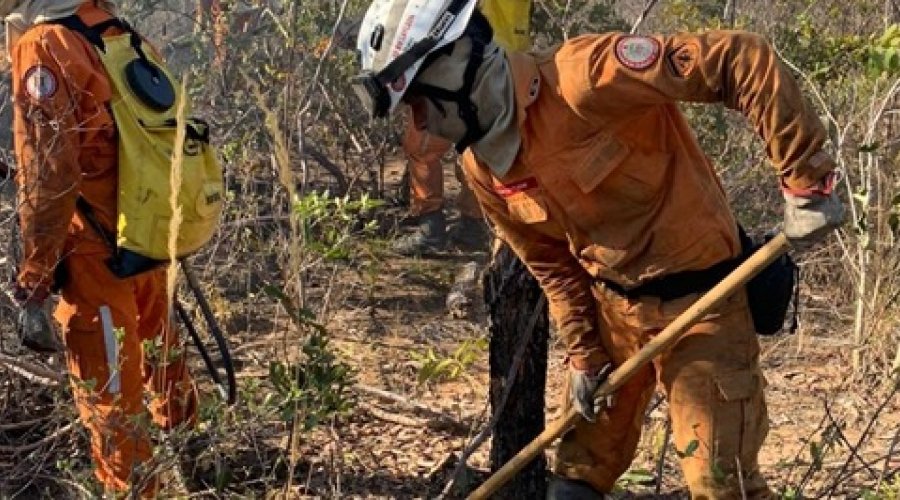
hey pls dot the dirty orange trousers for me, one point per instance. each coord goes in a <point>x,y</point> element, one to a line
<point>120,343</point>
<point>426,173</point>
<point>714,388</point>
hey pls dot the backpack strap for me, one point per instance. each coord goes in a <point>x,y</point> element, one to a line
<point>93,34</point>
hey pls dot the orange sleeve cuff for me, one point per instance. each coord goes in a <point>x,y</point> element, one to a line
<point>589,360</point>
<point>809,173</point>
<point>34,278</point>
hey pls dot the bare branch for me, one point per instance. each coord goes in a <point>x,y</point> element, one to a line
<point>34,372</point>
<point>644,13</point>
<point>840,477</point>
<point>37,444</point>
<point>440,418</point>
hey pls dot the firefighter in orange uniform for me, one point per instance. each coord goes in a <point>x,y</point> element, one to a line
<point>65,144</point>
<point>583,162</point>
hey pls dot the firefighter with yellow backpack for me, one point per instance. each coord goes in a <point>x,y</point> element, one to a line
<point>99,125</point>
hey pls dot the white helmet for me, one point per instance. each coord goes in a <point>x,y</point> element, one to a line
<point>394,38</point>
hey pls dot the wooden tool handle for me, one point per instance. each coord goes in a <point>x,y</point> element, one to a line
<point>665,339</point>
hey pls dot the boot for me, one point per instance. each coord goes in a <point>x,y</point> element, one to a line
<point>429,237</point>
<point>470,232</point>
<point>561,488</point>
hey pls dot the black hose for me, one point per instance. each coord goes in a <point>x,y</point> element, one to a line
<point>214,330</point>
<point>210,367</point>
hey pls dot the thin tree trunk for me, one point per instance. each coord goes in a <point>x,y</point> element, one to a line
<point>730,12</point>
<point>512,297</point>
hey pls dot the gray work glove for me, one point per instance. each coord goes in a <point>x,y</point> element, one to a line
<point>583,385</point>
<point>35,328</point>
<point>807,219</point>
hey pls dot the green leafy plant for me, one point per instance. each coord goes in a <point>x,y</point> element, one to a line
<point>318,386</point>
<point>435,367</point>
<point>891,490</point>
<point>884,52</point>
<point>635,477</point>
<point>330,222</point>
<point>689,450</point>
<point>791,494</point>
<point>315,389</point>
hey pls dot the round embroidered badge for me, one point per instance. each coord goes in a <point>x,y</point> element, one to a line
<point>40,82</point>
<point>637,52</point>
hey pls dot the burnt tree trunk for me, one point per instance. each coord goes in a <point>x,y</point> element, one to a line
<point>518,315</point>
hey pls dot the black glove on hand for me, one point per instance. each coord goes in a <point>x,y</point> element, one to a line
<point>34,326</point>
<point>583,384</point>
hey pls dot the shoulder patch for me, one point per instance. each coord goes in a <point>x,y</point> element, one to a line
<point>637,52</point>
<point>683,59</point>
<point>40,83</point>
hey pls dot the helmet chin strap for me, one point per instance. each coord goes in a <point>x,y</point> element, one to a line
<point>462,97</point>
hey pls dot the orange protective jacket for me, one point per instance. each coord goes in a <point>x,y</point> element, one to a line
<point>610,182</point>
<point>65,142</point>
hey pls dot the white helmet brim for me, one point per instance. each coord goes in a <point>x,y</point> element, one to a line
<point>389,31</point>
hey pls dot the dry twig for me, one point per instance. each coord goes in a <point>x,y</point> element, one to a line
<point>434,418</point>
<point>24,448</point>
<point>661,461</point>
<point>644,13</point>
<point>23,423</point>
<point>840,477</point>
<point>393,417</point>
<point>33,372</point>
<point>895,441</point>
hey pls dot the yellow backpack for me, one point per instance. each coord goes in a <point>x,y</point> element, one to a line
<point>511,20</point>
<point>145,105</point>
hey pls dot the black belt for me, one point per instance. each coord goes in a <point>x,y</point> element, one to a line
<point>678,284</point>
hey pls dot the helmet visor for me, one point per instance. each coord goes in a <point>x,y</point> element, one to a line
<point>372,93</point>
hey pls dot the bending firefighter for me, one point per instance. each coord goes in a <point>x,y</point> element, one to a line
<point>583,162</point>
<point>118,338</point>
<point>511,20</point>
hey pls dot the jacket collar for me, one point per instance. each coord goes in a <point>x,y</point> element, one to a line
<point>526,80</point>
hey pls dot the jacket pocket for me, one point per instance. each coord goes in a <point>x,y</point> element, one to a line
<point>737,386</point>
<point>620,172</point>
<point>599,161</point>
<point>740,416</point>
